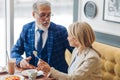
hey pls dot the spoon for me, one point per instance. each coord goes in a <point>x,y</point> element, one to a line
<point>35,54</point>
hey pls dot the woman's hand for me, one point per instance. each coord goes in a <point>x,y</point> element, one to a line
<point>42,65</point>
<point>24,63</point>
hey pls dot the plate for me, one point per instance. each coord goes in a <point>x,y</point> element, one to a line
<point>26,72</point>
<point>3,69</point>
<point>12,77</point>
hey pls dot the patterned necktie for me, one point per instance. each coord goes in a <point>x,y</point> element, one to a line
<point>40,41</point>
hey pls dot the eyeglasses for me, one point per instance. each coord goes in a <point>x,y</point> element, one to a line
<point>43,15</point>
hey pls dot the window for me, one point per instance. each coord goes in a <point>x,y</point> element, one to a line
<point>2,34</point>
<point>61,9</point>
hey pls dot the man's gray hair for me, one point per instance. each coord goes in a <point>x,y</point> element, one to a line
<point>40,2</point>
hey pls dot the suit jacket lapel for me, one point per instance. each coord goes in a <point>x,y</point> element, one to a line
<point>73,57</point>
<point>83,55</point>
<point>50,42</point>
<point>82,58</point>
<point>31,33</point>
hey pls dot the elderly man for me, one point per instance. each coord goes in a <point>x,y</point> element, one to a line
<point>45,37</point>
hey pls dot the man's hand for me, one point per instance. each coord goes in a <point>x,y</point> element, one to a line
<point>24,63</point>
<point>42,65</point>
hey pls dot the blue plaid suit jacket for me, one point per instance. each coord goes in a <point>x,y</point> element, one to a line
<point>57,43</point>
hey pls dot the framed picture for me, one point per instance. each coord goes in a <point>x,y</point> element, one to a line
<point>90,9</point>
<point>111,10</point>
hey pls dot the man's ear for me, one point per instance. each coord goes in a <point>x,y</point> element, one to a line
<point>33,14</point>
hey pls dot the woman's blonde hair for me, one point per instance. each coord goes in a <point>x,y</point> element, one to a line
<point>83,32</point>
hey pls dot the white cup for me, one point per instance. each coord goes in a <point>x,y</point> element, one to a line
<point>32,75</point>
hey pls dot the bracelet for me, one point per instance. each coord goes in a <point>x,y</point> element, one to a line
<point>48,75</point>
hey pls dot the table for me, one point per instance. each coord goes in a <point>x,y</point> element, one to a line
<point>18,72</point>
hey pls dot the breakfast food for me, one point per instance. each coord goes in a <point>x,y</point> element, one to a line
<point>14,77</point>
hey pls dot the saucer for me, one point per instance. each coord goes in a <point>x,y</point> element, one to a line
<point>26,72</point>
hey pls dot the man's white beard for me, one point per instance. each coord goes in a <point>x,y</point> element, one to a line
<point>40,26</point>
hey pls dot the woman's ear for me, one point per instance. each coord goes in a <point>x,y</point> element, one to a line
<point>75,41</point>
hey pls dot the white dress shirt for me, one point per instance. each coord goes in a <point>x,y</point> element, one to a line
<point>44,36</point>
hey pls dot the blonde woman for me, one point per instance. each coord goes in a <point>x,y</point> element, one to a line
<point>85,63</point>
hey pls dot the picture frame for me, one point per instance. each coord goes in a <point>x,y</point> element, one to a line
<point>90,9</point>
<point>111,10</point>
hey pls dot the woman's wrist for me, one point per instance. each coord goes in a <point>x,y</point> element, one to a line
<point>49,73</point>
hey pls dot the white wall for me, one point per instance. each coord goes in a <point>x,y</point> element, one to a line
<point>98,23</point>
